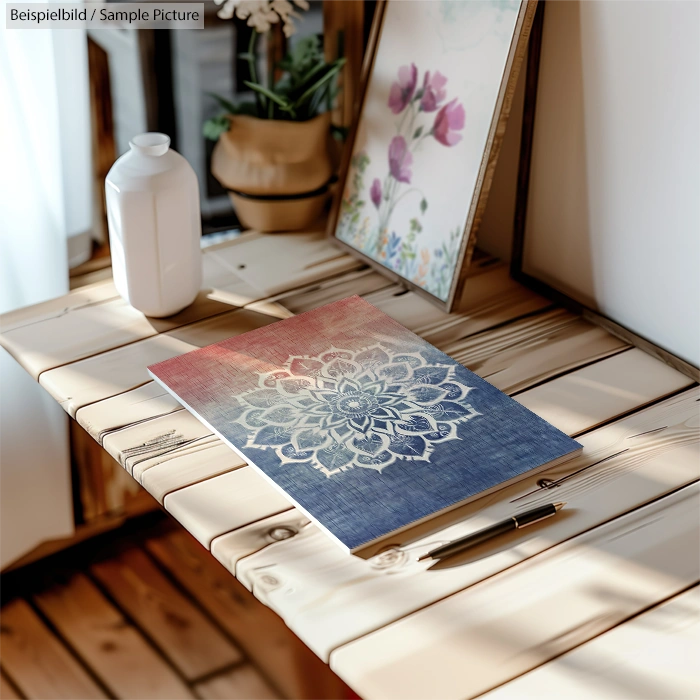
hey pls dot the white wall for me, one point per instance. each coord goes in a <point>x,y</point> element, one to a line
<point>614,207</point>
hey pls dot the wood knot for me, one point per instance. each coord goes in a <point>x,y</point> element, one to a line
<point>269,580</point>
<point>281,533</point>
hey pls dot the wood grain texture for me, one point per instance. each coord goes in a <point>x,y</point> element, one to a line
<point>109,373</point>
<point>491,298</point>
<point>531,350</point>
<point>186,466</point>
<point>361,282</point>
<point>497,630</point>
<point>7,690</point>
<point>653,655</point>
<point>183,634</point>
<point>329,599</point>
<point>108,643</point>
<point>152,438</point>
<point>243,683</point>
<point>60,306</point>
<point>143,403</point>
<point>266,640</point>
<point>104,487</point>
<point>224,503</point>
<point>38,664</point>
<point>83,324</point>
<point>618,384</point>
<point>274,263</point>
<point>90,330</point>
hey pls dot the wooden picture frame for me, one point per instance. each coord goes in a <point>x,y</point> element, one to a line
<point>475,200</point>
<point>517,255</point>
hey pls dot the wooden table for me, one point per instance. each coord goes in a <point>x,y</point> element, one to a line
<point>602,602</point>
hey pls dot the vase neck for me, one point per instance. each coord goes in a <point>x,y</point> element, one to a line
<point>150,144</point>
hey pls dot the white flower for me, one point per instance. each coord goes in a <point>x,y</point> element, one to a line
<point>262,14</point>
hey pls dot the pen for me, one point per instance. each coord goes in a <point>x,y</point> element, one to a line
<point>515,523</point>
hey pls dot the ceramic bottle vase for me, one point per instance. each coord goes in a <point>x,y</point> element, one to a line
<point>154,227</point>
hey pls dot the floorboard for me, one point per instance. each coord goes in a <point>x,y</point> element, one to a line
<point>142,613</point>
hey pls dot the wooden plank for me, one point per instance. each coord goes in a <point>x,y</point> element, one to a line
<point>653,655</point>
<point>267,642</point>
<point>90,330</point>
<point>152,438</point>
<point>243,683</point>
<point>361,282</point>
<point>110,373</point>
<point>38,663</point>
<point>492,298</point>
<point>501,628</point>
<point>184,467</point>
<point>274,263</point>
<point>103,485</point>
<point>91,295</point>
<point>7,690</point>
<point>329,599</point>
<point>143,403</point>
<point>87,329</point>
<point>224,503</point>
<point>293,669</point>
<point>585,398</point>
<point>127,665</point>
<point>533,349</point>
<point>180,630</point>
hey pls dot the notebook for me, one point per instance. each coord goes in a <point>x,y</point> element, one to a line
<point>364,426</point>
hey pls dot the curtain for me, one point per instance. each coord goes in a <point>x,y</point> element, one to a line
<point>45,197</point>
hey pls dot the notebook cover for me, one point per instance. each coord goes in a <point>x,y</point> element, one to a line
<point>364,425</point>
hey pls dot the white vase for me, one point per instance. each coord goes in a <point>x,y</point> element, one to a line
<point>154,227</point>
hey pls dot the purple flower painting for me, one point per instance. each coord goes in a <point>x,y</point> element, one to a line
<point>423,142</point>
<point>433,91</point>
<point>400,160</point>
<point>412,130</point>
<point>402,91</point>
<point>449,120</point>
<point>375,192</point>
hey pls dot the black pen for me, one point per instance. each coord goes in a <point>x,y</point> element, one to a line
<point>517,522</point>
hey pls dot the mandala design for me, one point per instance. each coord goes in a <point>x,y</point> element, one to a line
<point>345,409</point>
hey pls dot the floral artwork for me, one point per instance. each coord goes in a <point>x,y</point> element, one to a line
<point>342,409</point>
<point>420,143</point>
<point>425,114</point>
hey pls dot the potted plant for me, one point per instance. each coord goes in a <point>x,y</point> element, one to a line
<point>273,152</point>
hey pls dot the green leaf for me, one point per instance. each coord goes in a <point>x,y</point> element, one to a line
<point>423,205</point>
<point>417,132</point>
<point>246,56</point>
<point>213,128</point>
<point>223,102</point>
<point>333,71</point>
<point>277,99</point>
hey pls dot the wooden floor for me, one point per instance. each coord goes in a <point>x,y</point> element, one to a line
<point>145,612</point>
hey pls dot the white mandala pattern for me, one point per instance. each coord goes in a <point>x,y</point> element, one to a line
<point>345,409</point>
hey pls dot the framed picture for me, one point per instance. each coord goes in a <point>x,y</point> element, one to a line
<point>439,81</point>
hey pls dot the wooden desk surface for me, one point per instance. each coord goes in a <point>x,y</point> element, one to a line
<point>554,610</point>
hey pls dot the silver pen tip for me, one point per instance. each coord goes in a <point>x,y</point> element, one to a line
<point>425,556</point>
<point>559,506</point>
